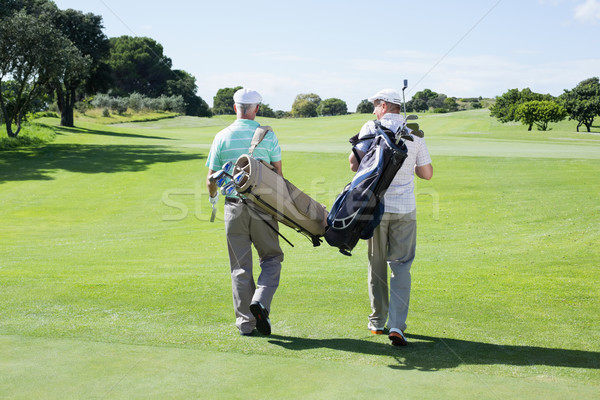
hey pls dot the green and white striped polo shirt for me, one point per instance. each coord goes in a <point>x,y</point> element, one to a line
<point>234,141</point>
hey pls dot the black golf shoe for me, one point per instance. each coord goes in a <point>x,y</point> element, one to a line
<point>263,324</point>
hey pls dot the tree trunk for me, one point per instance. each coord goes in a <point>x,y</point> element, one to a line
<point>6,118</point>
<point>66,114</point>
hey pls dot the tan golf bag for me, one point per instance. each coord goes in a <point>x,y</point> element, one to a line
<point>258,182</point>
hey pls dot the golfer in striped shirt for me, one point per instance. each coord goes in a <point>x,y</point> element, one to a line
<point>243,227</point>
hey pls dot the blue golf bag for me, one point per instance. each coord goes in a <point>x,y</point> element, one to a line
<point>357,211</point>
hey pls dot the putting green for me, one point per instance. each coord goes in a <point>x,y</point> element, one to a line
<point>67,368</point>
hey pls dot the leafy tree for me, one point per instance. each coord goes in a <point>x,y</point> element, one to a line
<point>223,101</point>
<point>33,7</point>
<point>365,107</point>
<point>506,105</point>
<point>332,106</point>
<point>184,84</point>
<point>417,105</point>
<point>305,105</point>
<point>426,94</point>
<point>450,104</point>
<point>139,65</point>
<point>85,74</point>
<point>540,113</point>
<point>266,111</point>
<point>282,114</point>
<point>583,102</point>
<point>32,54</point>
<point>438,102</point>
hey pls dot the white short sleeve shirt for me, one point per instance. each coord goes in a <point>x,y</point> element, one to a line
<point>400,196</point>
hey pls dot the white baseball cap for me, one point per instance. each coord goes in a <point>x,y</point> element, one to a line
<point>247,96</point>
<point>389,95</point>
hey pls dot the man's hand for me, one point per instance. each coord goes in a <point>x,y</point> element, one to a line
<point>213,202</point>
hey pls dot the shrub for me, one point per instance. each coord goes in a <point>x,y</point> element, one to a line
<point>101,101</point>
<point>119,104</point>
<point>136,102</point>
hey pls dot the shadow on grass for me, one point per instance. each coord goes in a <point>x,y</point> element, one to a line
<point>40,163</point>
<point>427,353</point>
<point>59,130</point>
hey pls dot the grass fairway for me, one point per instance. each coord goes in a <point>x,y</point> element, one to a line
<point>113,284</point>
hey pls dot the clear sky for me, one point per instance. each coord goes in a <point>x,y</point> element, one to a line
<point>351,49</point>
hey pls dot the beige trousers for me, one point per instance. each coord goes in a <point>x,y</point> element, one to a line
<point>243,229</point>
<point>393,243</point>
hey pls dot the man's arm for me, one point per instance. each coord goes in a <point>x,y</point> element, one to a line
<point>212,186</point>
<point>278,167</point>
<point>353,161</point>
<point>424,171</point>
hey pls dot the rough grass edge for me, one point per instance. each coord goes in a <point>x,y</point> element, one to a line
<point>32,134</point>
<point>95,116</point>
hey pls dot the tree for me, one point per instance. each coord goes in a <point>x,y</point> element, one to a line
<point>223,101</point>
<point>438,102</point>
<point>84,74</point>
<point>266,111</point>
<point>332,106</point>
<point>365,107</point>
<point>450,104</point>
<point>540,113</point>
<point>184,84</point>
<point>32,54</point>
<point>506,105</point>
<point>417,105</point>
<point>305,105</point>
<point>139,65</point>
<point>583,102</point>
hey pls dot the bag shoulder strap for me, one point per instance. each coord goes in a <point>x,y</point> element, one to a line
<point>259,135</point>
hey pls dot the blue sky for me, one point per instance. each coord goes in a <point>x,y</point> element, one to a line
<point>351,49</point>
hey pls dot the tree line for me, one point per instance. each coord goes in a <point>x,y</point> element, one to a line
<point>48,55</point>
<point>581,104</point>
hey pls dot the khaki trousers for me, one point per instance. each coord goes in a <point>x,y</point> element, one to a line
<point>393,243</point>
<point>243,229</point>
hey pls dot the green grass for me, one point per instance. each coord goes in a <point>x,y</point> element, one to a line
<point>113,284</point>
<point>31,134</point>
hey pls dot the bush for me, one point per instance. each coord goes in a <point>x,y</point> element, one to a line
<point>82,106</point>
<point>136,102</point>
<point>101,101</point>
<point>119,104</point>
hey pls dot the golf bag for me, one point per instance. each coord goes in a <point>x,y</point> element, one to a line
<point>258,183</point>
<point>357,211</point>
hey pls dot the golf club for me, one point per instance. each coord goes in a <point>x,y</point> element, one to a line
<point>239,177</point>
<point>228,167</point>
<point>403,99</point>
<point>220,177</point>
<point>403,132</point>
<point>228,189</point>
<point>213,213</point>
